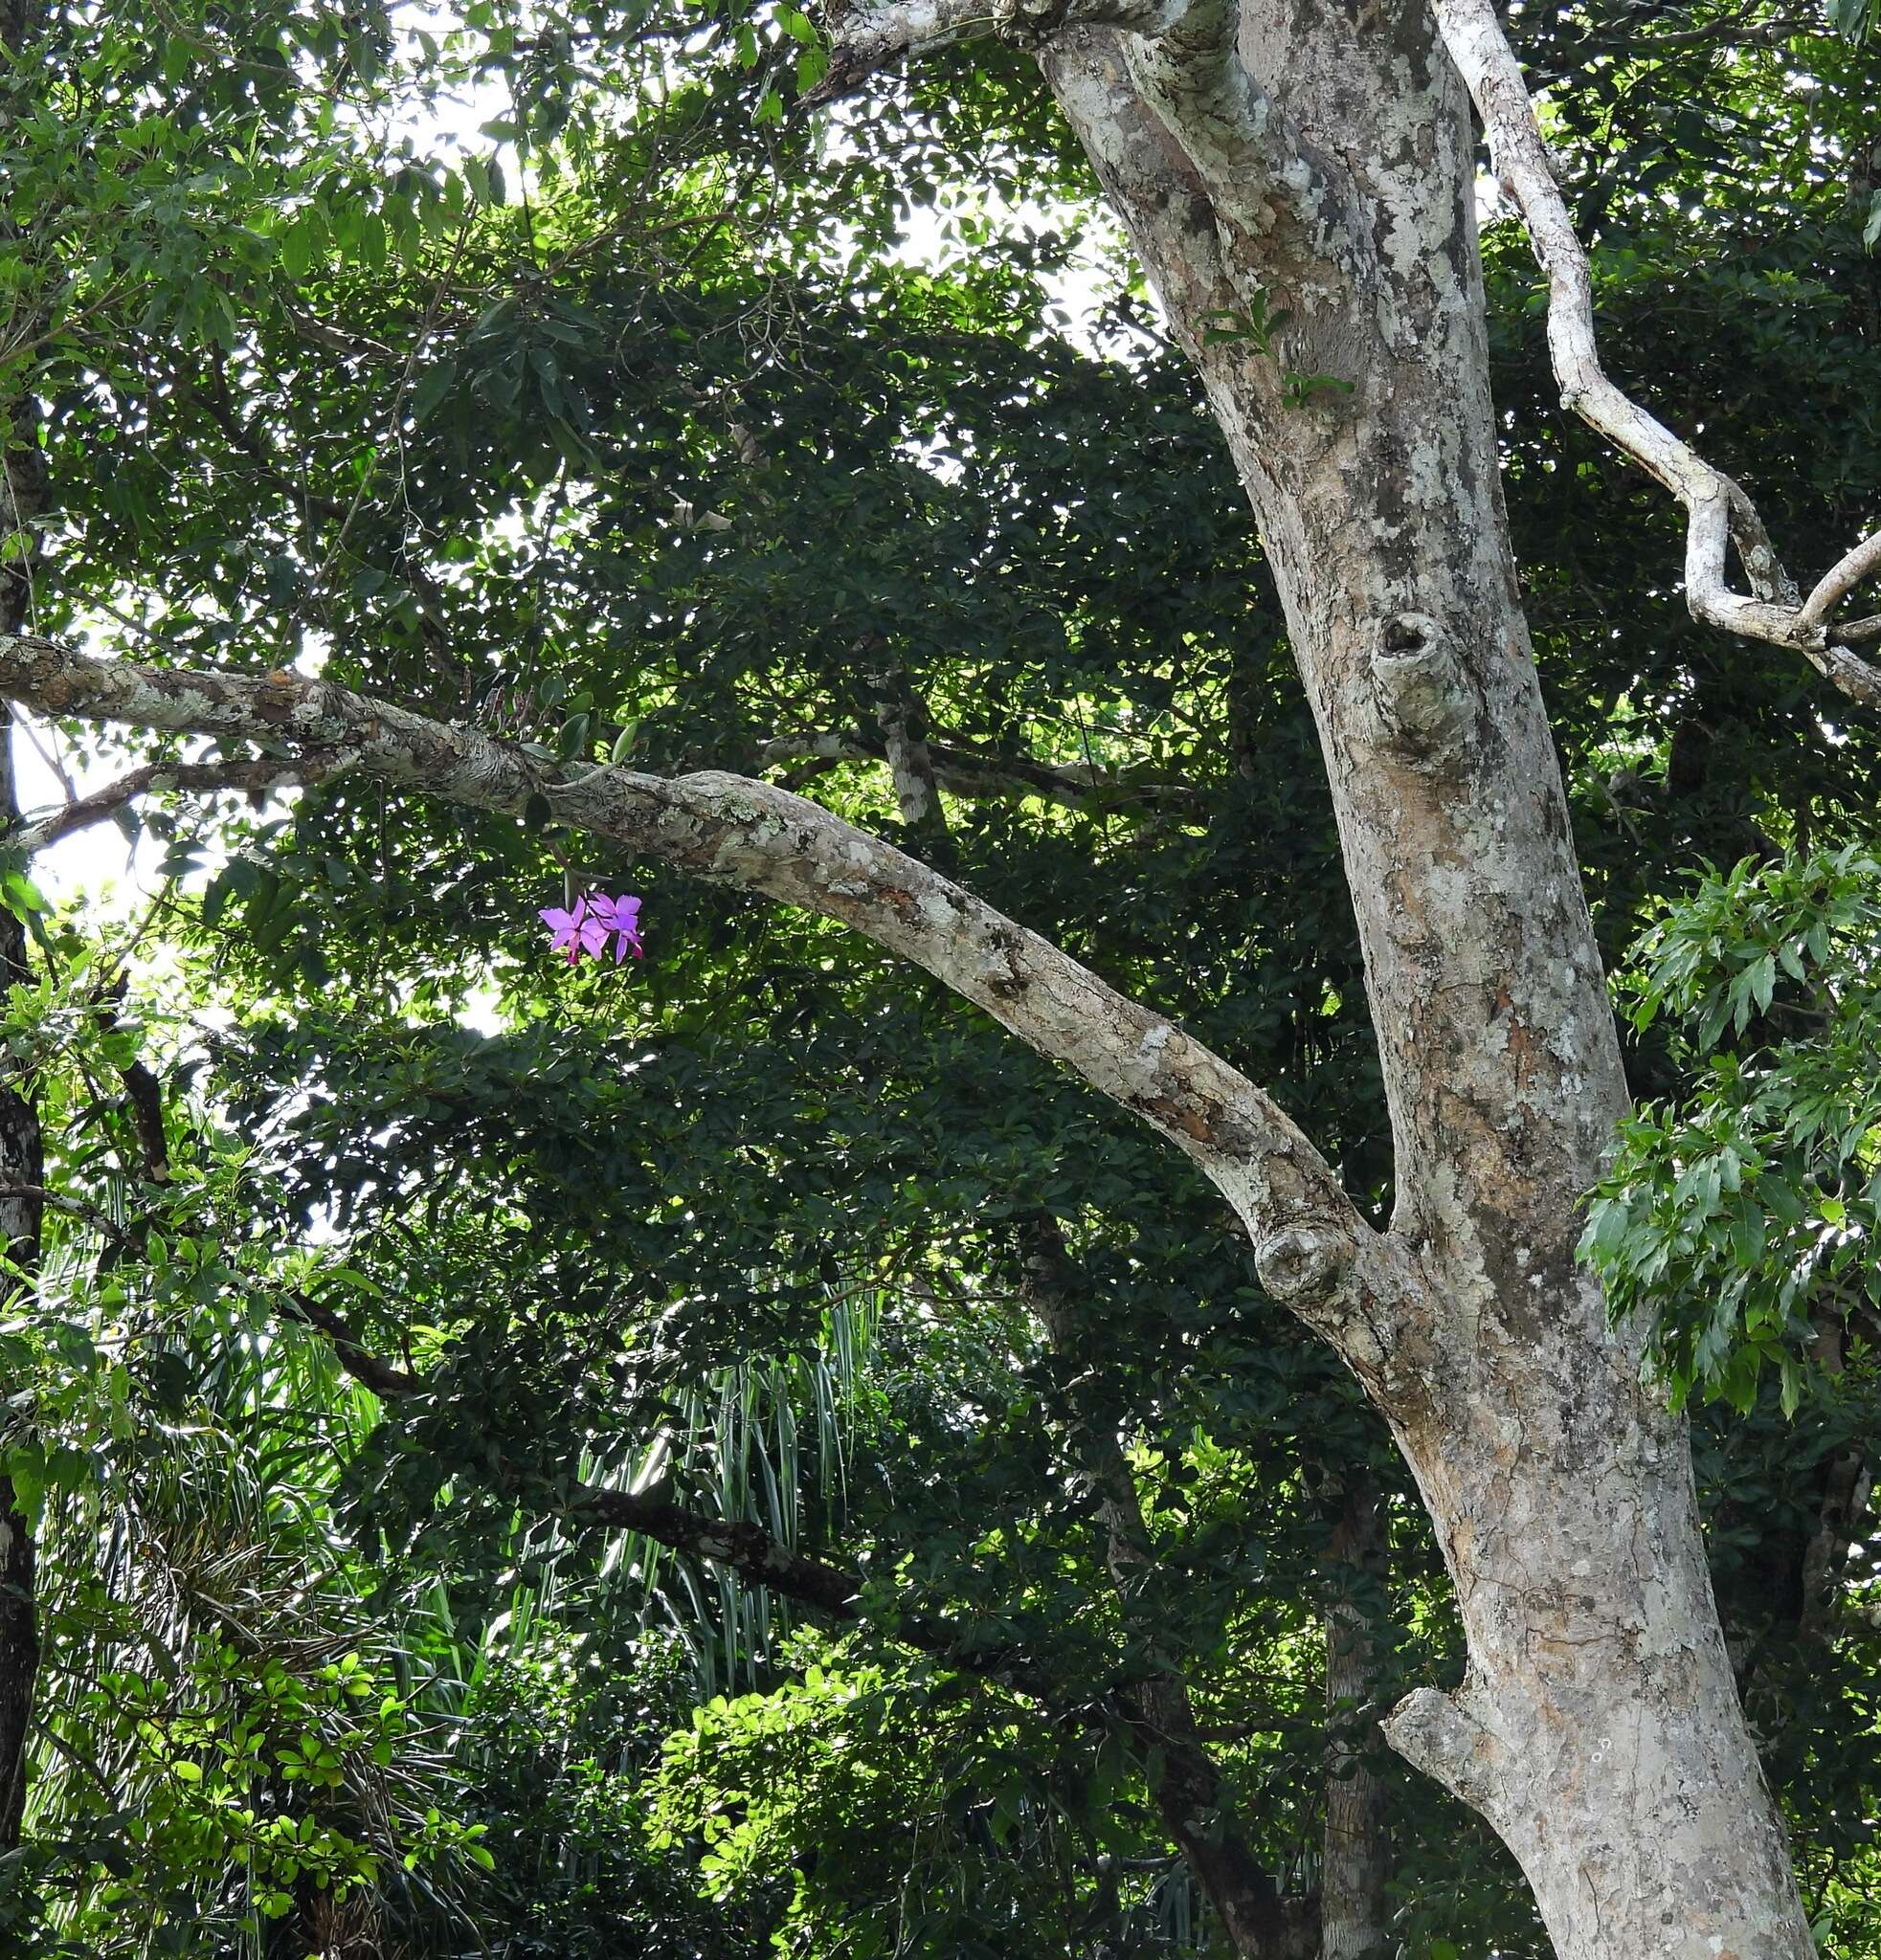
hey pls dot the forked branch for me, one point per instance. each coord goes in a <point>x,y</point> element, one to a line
<point>1719,512</point>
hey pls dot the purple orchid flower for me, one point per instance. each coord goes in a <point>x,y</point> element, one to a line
<point>621,917</point>
<point>593,919</point>
<point>576,932</point>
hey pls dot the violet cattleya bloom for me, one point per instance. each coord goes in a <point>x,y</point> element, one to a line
<point>622,916</point>
<point>576,932</point>
<point>587,926</point>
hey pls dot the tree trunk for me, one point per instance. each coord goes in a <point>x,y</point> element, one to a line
<point>22,1175</point>
<point>1354,1907</point>
<point>1299,183</point>
<point>1599,1729</point>
<point>22,1146</point>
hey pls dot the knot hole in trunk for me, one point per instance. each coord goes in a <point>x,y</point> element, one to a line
<point>1425,699</point>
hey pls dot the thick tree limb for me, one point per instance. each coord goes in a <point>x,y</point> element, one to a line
<point>1314,1251</point>
<point>384,1378</point>
<point>867,41</point>
<point>1842,579</point>
<point>971,773</point>
<point>746,1548</point>
<point>1719,512</point>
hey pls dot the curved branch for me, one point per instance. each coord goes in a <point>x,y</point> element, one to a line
<point>1840,580</point>
<point>1718,511</point>
<point>1315,1252</point>
<point>384,1378</point>
<point>746,1548</point>
<point>970,772</point>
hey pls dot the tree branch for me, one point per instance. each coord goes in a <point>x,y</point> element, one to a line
<point>382,1377</point>
<point>736,1544</point>
<point>255,779</point>
<point>1187,1786</point>
<point>866,42</point>
<point>747,1548</point>
<point>1719,512</point>
<point>1313,1250</point>
<point>973,773</point>
<point>1196,1808</point>
<point>1184,59</point>
<point>1842,579</point>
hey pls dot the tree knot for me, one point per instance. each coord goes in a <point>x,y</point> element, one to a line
<point>1424,693</point>
<point>1306,1264</point>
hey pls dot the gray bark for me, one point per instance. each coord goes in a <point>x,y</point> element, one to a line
<point>1319,161</point>
<point>1354,1905</point>
<point>1599,1729</point>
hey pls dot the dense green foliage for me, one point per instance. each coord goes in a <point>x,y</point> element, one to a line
<point>613,411</point>
<point>1743,1219</point>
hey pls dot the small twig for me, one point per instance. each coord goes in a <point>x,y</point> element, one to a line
<point>73,1208</point>
<point>24,723</point>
